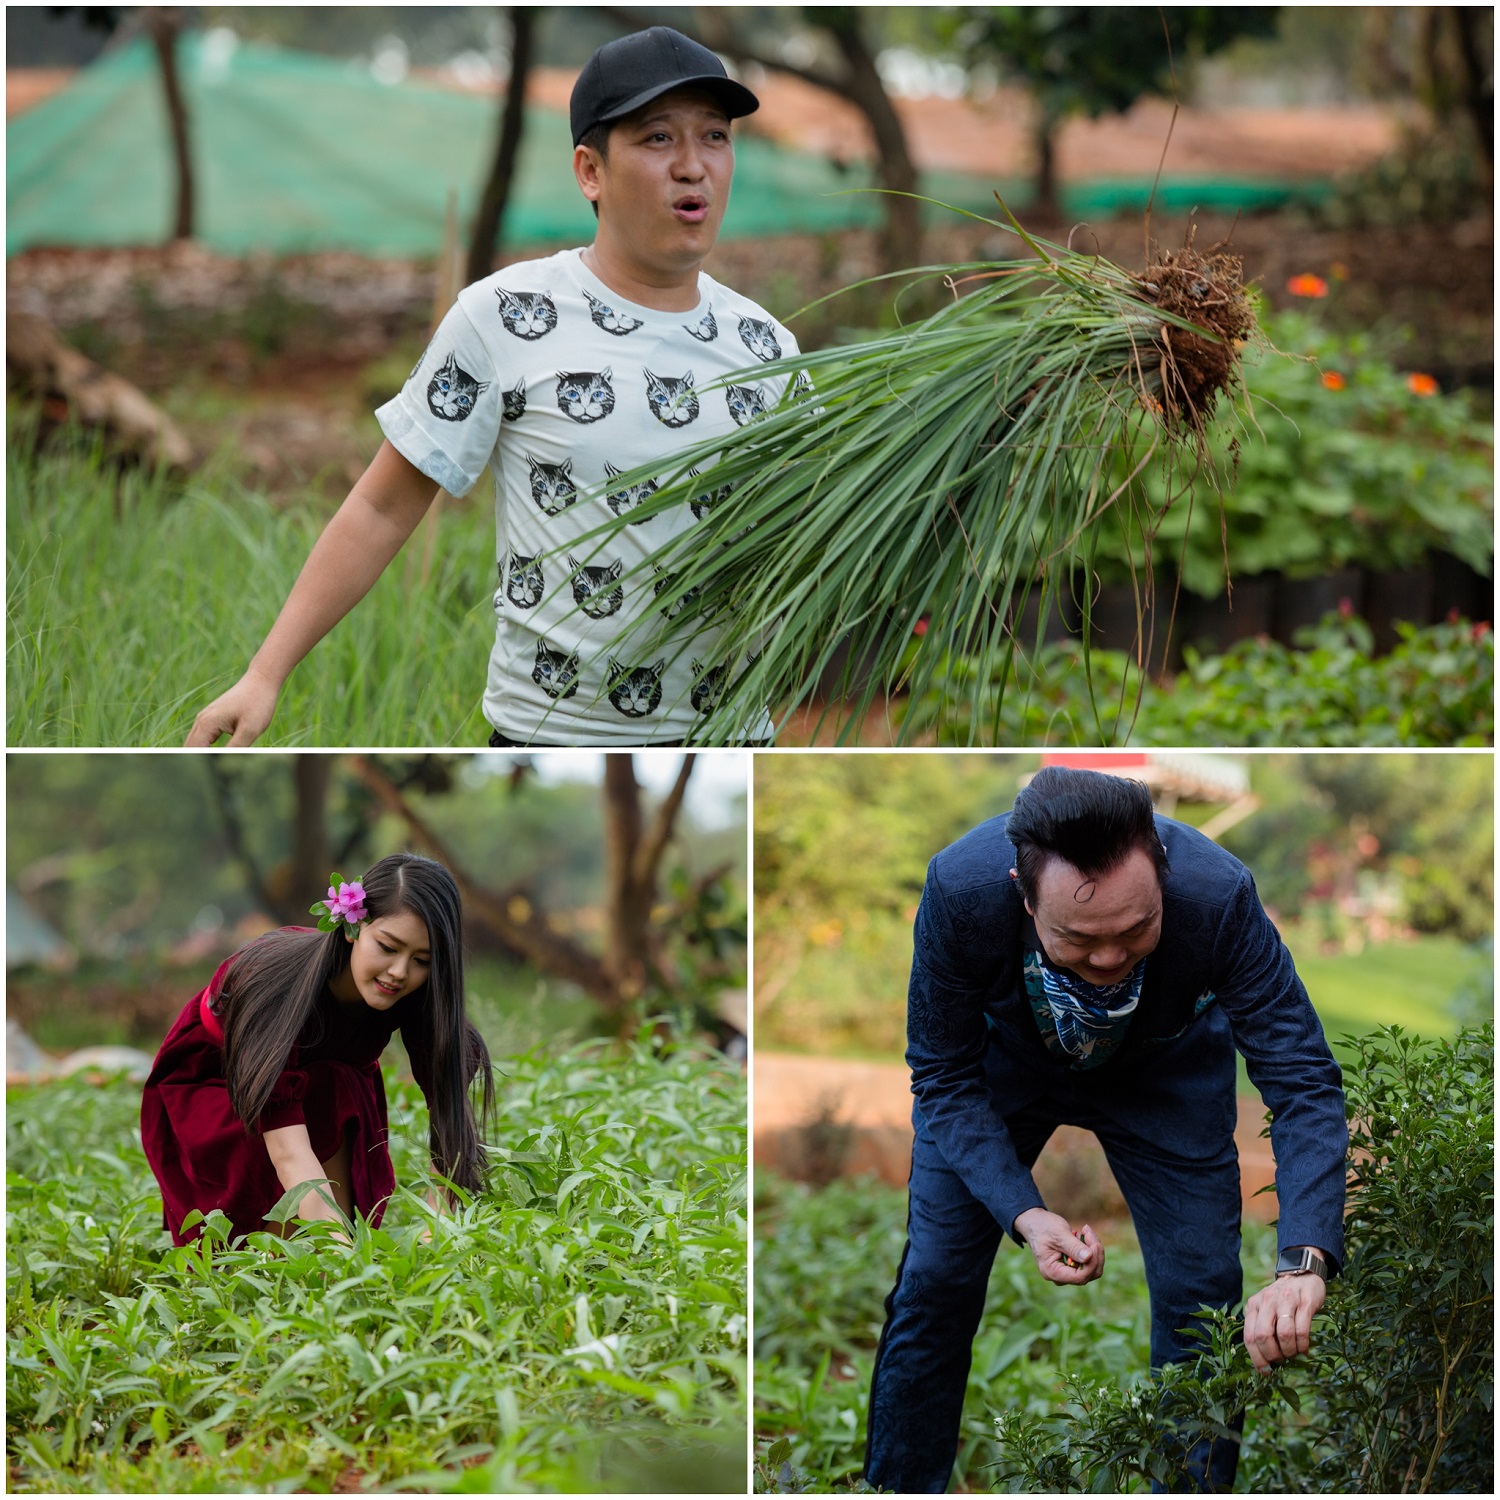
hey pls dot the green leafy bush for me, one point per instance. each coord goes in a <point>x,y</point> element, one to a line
<point>1334,461</point>
<point>1397,1393</point>
<point>1435,688</point>
<point>579,1327</point>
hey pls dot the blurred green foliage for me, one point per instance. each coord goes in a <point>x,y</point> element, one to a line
<point>1436,688</point>
<point>1349,850</point>
<point>1332,460</point>
<point>1397,1392</point>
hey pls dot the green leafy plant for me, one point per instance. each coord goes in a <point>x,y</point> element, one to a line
<point>1397,1393</point>
<point>1435,688</point>
<point>580,1327</point>
<point>1335,460</point>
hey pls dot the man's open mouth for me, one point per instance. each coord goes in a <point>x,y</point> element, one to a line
<point>692,208</point>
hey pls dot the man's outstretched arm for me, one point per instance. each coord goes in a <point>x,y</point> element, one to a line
<point>366,532</point>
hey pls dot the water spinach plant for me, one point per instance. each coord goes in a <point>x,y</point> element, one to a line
<point>578,1328</point>
<point>941,474</point>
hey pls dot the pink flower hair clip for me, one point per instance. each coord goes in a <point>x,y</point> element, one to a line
<point>345,904</point>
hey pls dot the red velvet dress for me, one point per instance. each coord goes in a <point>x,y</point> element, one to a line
<point>199,1148</point>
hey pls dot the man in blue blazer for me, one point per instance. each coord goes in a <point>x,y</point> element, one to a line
<point>1081,961</point>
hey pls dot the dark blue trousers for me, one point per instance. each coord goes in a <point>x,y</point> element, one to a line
<point>1167,1129</point>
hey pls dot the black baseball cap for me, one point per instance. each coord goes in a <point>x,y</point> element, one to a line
<point>625,74</point>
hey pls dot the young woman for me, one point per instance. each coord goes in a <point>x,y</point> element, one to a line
<point>271,1075</point>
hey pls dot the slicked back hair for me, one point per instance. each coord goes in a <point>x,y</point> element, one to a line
<point>272,990</point>
<point>1087,818</point>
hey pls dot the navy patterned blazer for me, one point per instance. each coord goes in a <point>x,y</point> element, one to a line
<point>967,993</point>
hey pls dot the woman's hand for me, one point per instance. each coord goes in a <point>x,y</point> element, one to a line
<point>292,1155</point>
<point>243,713</point>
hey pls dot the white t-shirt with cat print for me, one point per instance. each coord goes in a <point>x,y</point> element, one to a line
<point>559,385</point>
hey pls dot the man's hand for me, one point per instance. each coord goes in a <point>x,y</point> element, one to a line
<point>1278,1320</point>
<point>243,713</point>
<point>1064,1257</point>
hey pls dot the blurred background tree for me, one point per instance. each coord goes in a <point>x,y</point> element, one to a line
<point>153,868</point>
<point>1093,59</point>
<point>1378,869</point>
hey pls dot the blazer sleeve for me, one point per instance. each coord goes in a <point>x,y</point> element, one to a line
<point>1289,1062</point>
<point>947,1037</point>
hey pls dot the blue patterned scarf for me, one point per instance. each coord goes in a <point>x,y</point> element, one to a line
<point>1087,1015</point>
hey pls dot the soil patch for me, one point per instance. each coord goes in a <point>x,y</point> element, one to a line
<point>816,1118</point>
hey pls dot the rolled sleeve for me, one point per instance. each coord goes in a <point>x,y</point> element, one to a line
<point>947,1037</point>
<point>446,418</point>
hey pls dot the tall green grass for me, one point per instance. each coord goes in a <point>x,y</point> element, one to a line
<point>578,1328</point>
<point>133,601</point>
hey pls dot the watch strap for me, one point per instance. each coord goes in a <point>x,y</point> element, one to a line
<point>1303,1261</point>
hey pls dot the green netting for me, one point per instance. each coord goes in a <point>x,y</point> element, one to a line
<point>296,153</point>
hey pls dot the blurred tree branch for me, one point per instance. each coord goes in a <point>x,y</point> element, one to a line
<point>490,215</point>
<point>164,25</point>
<point>858,82</point>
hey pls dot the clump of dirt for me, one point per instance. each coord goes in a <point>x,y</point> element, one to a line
<point>1207,291</point>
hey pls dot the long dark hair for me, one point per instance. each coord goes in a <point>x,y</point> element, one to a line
<point>272,989</point>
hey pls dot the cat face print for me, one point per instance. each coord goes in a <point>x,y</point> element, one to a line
<point>708,686</point>
<point>802,386</point>
<point>596,590</point>
<point>674,605</point>
<point>528,315</point>
<point>524,584</point>
<point>745,403</point>
<point>700,505</point>
<point>706,329</point>
<point>513,402</point>
<point>452,392</point>
<point>759,337</point>
<point>555,672</point>
<point>585,395</point>
<point>626,497</point>
<point>672,399</point>
<point>551,485</point>
<point>637,690</point>
<point>609,320</point>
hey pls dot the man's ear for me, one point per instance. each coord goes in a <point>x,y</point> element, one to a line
<point>1030,910</point>
<point>587,168</point>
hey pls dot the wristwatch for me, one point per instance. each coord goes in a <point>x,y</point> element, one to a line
<point>1303,1261</point>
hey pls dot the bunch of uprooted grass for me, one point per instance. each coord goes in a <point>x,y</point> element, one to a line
<point>926,484</point>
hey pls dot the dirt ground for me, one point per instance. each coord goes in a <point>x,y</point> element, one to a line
<point>816,1117</point>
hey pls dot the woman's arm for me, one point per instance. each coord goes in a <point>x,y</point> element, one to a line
<point>366,532</point>
<point>292,1155</point>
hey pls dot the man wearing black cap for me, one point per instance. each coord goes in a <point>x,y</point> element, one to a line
<point>560,375</point>
<point>1082,961</point>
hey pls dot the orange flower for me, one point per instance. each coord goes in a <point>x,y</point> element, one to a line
<point>1421,385</point>
<point>1333,381</point>
<point>1307,285</point>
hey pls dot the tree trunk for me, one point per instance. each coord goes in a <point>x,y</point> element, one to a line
<point>165,26</point>
<point>511,915</point>
<point>901,239</point>
<point>1476,91</point>
<point>1044,142</point>
<point>861,85</point>
<point>310,860</point>
<point>491,211</point>
<point>632,858</point>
